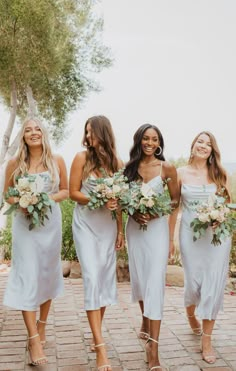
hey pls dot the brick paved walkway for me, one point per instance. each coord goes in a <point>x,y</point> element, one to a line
<point>68,335</point>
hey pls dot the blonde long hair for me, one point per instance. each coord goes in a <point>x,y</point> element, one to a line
<point>106,155</point>
<point>23,154</point>
<point>216,172</point>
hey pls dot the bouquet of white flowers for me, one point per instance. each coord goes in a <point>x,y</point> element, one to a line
<point>142,199</point>
<point>28,191</point>
<point>107,188</point>
<point>213,213</point>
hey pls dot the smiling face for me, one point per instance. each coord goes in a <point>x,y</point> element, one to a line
<point>150,142</point>
<point>32,134</point>
<point>202,148</point>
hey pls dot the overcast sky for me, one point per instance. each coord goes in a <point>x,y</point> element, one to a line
<point>174,66</point>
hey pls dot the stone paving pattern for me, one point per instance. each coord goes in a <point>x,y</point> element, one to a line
<point>68,335</point>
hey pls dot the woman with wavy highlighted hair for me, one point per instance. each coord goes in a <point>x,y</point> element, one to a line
<point>36,274</point>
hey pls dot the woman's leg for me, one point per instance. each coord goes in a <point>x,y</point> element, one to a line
<point>152,344</point>
<point>92,345</point>
<point>95,322</point>
<point>208,353</point>
<point>194,323</point>
<point>34,345</point>
<point>144,330</point>
<point>41,324</point>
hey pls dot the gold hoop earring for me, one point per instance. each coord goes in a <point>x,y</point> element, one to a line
<point>160,151</point>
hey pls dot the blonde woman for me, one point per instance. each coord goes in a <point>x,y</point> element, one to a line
<point>205,266</point>
<point>36,275</point>
<point>96,235</point>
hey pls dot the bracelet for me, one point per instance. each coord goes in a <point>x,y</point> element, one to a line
<point>122,234</point>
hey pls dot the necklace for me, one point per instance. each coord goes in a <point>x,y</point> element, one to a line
<point>148,163</point>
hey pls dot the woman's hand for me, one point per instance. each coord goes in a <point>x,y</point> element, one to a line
<point>112,204</point>
<point>120,241</point>
<point>141,218</point>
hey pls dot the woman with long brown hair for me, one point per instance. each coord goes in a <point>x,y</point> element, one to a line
<point>96,235</point>
<point>205,266</point>
<point>149,250</point>
<point>36,273</point>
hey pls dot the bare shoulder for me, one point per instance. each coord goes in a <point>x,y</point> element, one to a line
<point>12,164</point>
<point>182,170</point>
<point>80,156</point>
<point>58,158</point>
<point>120,163</point>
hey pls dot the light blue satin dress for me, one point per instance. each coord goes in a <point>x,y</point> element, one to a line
<point>205,265</point>
<point>94,233</point>
<point>36,272</point>
<point>148,256</point>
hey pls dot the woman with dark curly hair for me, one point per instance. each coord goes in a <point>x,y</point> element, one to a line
<point>149,250</point>
<point>205,266</point>
<point>96,235</point>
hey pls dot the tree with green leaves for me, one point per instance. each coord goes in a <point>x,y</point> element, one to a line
<point>50,51</point>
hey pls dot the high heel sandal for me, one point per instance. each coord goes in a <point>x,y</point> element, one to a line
<point>147,355</point>
<point>198,330</point>
<point>39,361</point>
<point>207,357</point>
<point>43,342</point>
<point>103,366</point>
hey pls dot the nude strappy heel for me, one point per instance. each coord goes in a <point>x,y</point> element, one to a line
<point>207,357</point>
<point>43,342</point>
<point>198,330</point>
<point>38,361</point>
<point>102,368</point>
<point>147,355</point>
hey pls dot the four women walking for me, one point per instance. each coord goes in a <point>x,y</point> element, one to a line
<point>36,276</point>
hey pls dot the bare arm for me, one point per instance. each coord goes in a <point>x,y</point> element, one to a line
<point>63,192</point>
<point>75,183</point>
<point>10,168</point>
<point>173,218</point>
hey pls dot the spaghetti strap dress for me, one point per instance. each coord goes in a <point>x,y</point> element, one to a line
<point>94,233</point>
<point>36,271</point>
<point>205,265</point>
<point>148,257</point>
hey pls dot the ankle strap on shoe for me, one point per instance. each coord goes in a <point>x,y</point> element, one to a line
<point>32,337</point>
<point>154,340</point>
<point>99,345</point>
<point>203,333</point>
<point>39,320</point>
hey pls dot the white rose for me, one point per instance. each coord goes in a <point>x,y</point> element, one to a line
<point>24,201</point>
<point>109,181</point>
<point>23,184</point>
<point>150,203</point>
<point>116,188</point>
<point>214,214</point>
<point>203,218</point>
<point>34,200</point>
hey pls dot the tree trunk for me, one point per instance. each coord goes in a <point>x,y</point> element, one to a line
<point>31,102</point>
<point>8,131</point>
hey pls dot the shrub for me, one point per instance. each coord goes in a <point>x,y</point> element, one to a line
<point>68,248</point>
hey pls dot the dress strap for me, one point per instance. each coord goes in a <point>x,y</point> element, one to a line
<point>161,168</point>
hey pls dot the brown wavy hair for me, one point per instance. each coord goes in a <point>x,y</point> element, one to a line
<point>216,172</point>
<point>105,156</point>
